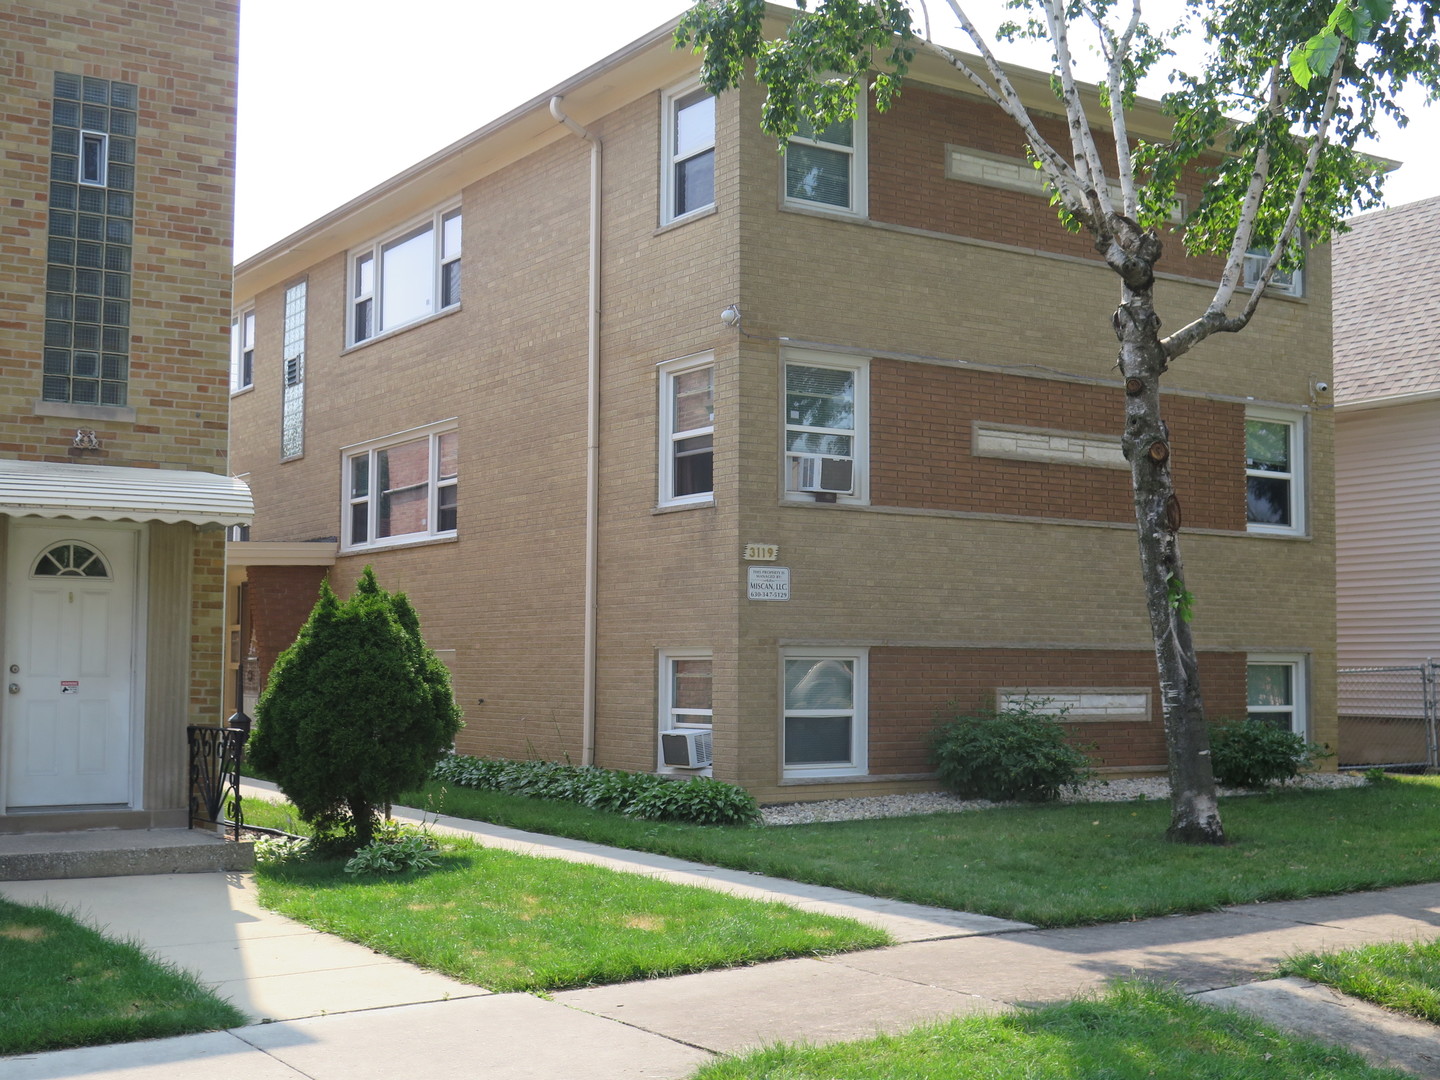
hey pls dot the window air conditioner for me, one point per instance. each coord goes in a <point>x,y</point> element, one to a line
<point>816,473</point>
<point>686,749</point>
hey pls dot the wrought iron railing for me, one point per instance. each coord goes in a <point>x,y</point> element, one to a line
<point>215,757</point>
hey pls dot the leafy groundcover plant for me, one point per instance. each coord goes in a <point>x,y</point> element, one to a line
<point>699,800</point>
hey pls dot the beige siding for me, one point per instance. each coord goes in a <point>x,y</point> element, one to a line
<point>1387,492</point>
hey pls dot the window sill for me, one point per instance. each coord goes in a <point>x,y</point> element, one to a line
<point>672,508</point>
<point>694,215</point>
<point>820,210</point>
<point>424,541</point>
<point>242,391</point>
<point>386,335</point>
<point>823,776</point>
<point>806,498</point>
<point>1278,534</point>
<point>115,414</point>
<point>858,778</point>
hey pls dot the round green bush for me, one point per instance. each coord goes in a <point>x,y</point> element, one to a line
<point>1017,753</point>
<point>1255,754</point>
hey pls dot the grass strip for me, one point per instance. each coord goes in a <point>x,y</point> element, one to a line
<point>1133,1032</point>
<point>1052,865</point>
<point>66,985</point>
<point>1404,976</point>
<point>514,922</point>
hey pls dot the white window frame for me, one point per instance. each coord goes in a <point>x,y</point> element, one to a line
<point>1298,500</point>
<point>1299,707</point>
<point>669,718</point>
<point>669,437</point>
<point>1282,282</point>
<point>860,366</point>
<point>859,712</point>
<point>375,252</point>
<point>104,143</point>
<point>859,204</point>
<point>242,350</point>
<point>669,158</point>
<point>434,485</point>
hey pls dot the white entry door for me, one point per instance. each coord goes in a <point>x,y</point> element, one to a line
<point>69,665</point>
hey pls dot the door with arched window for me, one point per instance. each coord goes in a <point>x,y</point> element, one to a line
<point>71,658</point>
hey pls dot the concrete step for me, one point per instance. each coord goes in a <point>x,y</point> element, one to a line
<point>119,853</point>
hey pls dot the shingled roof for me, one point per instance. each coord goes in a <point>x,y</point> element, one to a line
<point>1387,304</point>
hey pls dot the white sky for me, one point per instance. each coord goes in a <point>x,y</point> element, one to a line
<point>338,95</point>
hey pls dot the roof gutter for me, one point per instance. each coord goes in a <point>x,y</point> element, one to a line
<point>1413,398</point>
<point>592,437</point>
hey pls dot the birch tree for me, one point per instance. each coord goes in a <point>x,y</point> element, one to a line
<point>1285,91</point>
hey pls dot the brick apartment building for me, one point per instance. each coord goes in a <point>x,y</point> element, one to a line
<point>116,181</point>
<point>839,447</point>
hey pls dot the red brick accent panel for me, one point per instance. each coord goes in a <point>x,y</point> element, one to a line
<point>921,427</point>
<point>911,686</point>
<point>281,598</point>
<point>908,185</point>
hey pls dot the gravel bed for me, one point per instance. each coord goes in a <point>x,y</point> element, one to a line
<point>934,802</point>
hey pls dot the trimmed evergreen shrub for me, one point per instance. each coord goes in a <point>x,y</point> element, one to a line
<point>1019,752</point>
<point>700,800</point>
<point>1254,754</point>
<point>355,712</point>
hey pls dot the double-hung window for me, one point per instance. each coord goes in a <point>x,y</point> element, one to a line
<point>825,428</point>
<point>687,181</point>
<point>686,705</point>
<point>1284,282</point>
<point>1275,692</point>
<point>826,169</point>
<point>242,351</point>
<point>687,430</point>
<point>405,277</point>
<point>823,727</point>
<point>401,489</point>
<point>1274,472</point>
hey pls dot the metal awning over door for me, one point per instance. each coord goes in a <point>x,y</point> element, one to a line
<point>115,493</point>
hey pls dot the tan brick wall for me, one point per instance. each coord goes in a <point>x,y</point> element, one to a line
<point>181,54</point>
<point>510,366</point>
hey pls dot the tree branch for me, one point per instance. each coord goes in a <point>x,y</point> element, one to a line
<point>1215,319</point>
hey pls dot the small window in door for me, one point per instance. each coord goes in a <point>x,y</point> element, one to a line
<point>71,560</point>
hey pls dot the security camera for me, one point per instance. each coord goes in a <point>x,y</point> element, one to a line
<point>1322,387</point>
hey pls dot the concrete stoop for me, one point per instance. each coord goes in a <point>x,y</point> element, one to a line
<point>119,853</point>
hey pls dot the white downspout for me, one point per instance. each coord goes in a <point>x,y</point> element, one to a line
<point>592,438</point>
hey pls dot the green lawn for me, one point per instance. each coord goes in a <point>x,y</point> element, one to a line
<point>63,984</point>
<point>1134,1032</point>
<point>512,922</point>
<point>1404,976</point>
<point>1057,865</point>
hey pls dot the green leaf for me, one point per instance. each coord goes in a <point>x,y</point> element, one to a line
<point>1315,57</point>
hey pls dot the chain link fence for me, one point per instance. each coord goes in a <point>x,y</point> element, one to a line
<point>1388,717</point>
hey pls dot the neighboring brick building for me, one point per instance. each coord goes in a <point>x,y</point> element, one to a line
<point>117,177</point>
<point>915,416</point>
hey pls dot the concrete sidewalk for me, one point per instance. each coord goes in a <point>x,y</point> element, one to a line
<point>344,1012</point>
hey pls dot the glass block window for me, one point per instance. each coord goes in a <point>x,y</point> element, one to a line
<point>292,409</point>
<point>87,299</point>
